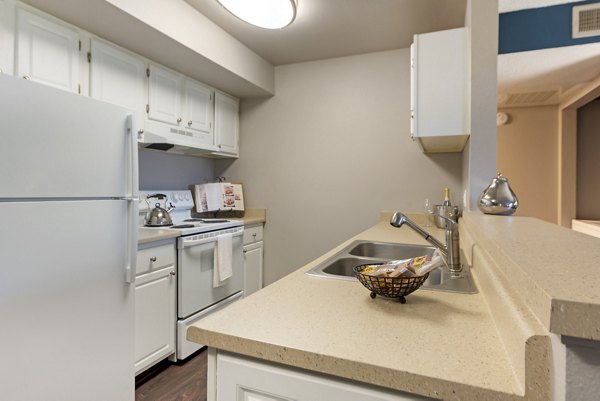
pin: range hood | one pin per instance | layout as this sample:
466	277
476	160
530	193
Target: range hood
171	139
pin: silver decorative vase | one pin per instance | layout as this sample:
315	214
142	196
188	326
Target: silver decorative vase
498	198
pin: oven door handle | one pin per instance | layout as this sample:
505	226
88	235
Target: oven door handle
187	242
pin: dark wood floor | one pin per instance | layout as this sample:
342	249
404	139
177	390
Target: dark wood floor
174	382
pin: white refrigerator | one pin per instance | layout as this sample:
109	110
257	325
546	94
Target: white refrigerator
68	241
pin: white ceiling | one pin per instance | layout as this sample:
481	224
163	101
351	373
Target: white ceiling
555	71
546	76
335	28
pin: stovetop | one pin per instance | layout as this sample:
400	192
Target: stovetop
181	215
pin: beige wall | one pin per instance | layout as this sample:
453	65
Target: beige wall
527	154
588	161
329	151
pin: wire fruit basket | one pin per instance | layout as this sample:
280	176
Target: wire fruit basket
391	287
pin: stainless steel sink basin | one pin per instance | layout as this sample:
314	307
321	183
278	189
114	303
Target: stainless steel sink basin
340	266
390	251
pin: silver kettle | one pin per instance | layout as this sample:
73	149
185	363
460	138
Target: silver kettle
158	217
498	198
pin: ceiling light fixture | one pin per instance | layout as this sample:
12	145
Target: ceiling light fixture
269	14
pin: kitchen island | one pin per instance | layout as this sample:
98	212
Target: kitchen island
493	345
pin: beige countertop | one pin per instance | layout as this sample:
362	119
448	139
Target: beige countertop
254	216
555	269
438	344
146	235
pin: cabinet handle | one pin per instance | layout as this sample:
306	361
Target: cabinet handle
26	77
172	272
190	123
179	120
153	259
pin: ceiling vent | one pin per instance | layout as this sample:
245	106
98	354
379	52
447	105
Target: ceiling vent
527	99
586	20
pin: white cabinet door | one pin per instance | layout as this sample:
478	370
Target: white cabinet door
439	90
117	76
226	123
164	96
198	107
47	52
155	318
242	379
253	268
7	37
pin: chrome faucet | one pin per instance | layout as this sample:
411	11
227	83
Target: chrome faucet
450	251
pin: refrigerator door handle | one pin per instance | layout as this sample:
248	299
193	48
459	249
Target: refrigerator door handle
133	158
132	204
132	235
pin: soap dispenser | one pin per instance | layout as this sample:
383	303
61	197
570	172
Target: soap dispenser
498	198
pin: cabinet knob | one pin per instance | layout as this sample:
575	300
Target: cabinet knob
190	123
26	77
254	235
172	272
179	120
153	259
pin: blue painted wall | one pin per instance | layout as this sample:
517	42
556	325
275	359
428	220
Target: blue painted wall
539	28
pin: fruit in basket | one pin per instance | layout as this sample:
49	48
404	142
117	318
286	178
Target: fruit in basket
368	269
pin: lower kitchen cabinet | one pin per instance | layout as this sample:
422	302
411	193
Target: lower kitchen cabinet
155	313
253	259
235	378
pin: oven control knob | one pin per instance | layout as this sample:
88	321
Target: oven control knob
187	197
174	197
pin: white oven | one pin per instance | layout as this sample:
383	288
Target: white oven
196	295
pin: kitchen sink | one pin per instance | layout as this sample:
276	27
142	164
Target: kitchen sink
341	265
389	251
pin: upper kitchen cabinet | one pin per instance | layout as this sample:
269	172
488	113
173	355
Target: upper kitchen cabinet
117	76
179	101
164	96
226	124
439	90
180	113
47	51
198	106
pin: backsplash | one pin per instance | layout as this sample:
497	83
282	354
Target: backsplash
160	170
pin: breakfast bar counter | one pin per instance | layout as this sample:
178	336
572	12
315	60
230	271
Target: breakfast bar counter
492	345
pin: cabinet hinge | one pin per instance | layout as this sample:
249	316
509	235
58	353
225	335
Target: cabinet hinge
147	108
148	72
89	57
80	45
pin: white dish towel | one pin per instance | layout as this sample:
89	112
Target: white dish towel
223	256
